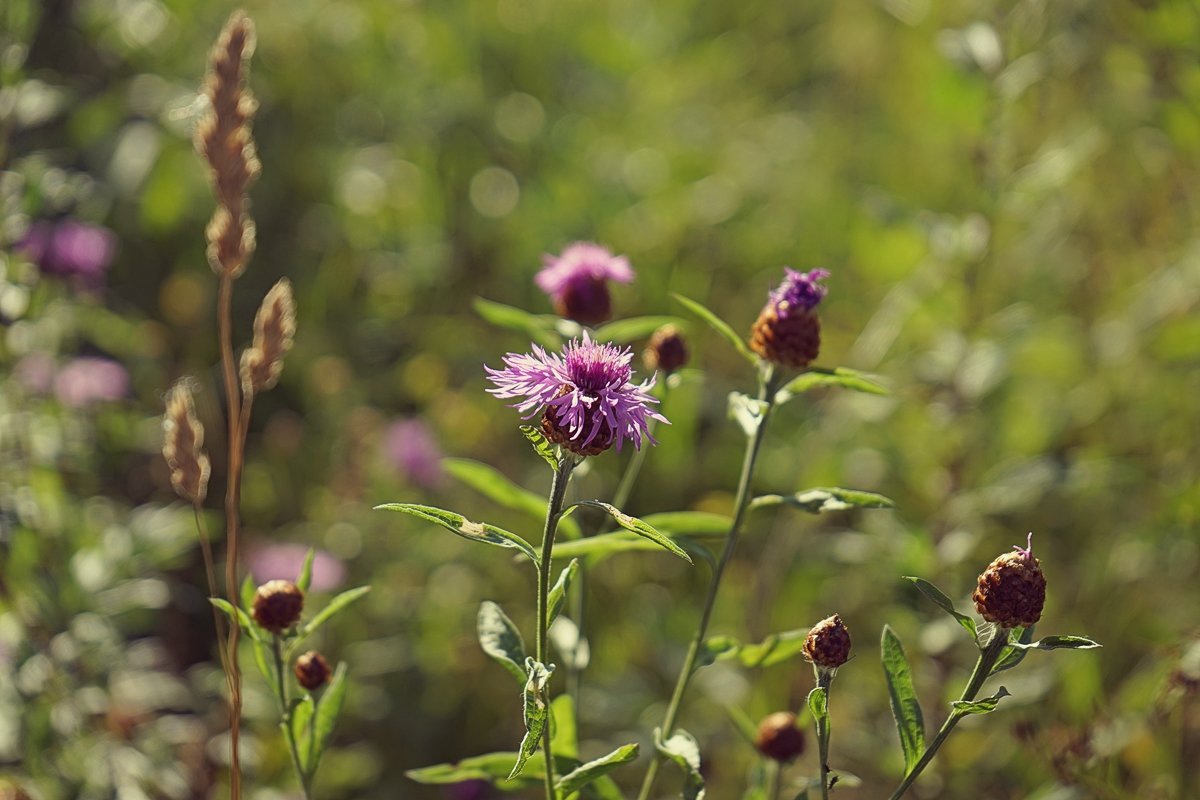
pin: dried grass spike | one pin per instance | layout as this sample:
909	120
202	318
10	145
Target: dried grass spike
183	440
274	330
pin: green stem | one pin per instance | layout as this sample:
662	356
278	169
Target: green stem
286	714
824	681
774	779
766	393
558	491
983	669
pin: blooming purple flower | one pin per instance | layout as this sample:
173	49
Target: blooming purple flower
585	394
800	291
70	248
409	446
576	281
284	560
88	380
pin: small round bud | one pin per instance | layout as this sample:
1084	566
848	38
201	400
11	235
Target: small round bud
779	738
828	643
667	350
312	670
1012	590
277	605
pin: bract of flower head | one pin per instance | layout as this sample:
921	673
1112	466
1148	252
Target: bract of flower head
787	332
585	394
577	281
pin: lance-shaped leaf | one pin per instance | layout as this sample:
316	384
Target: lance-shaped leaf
814	501
336	605
304	580
584	774
500	639
564	734
461	526
626	330
684	751
538	327
248	591
494	768
495	486
1013	653
841	377
558	592
747	412
326	714
689	523
536	710
943	602
300	715
984	706
238	617
636	526
541	445
774	649
607	544
717	324
1058	643
905	707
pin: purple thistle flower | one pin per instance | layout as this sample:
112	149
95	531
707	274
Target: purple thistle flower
576	281
800	291
70	248
787	332
585	395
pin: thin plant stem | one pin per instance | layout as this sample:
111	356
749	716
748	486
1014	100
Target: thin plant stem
210	573
983	669
558	491
766	394
774	779
286	714
824	681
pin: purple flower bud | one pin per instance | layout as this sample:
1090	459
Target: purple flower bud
577	281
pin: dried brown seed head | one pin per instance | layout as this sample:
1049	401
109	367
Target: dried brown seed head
183	440
274	330
667	350
779	738
312	670
1012	590
277	605
828	643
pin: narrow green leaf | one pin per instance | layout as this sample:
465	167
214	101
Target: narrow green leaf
746	411
943	602
719	325
305	579
841	377
742	722
906	708
461	526
689	523
1058	643
496	486
716	647
985	706
1014	652
538	327
814	501
265	663
637	526
774	649
624	331
565	734
683	750
535	710
239	617
818	704
300	714
327	711
491	767
248	591
541	445
586	773
337	604
500	639
558	592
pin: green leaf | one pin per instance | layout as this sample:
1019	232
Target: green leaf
818	704
689	523
491	767
541	445
586	773
742	722
1013	653
265	660
747	412
985	706
239	617
461	526
536	711
327	711
1058	643
248	591
817	377
336	605
500	639
814	501
624	331
300	715
906	708
684	751
943	602
774	649
305	579
719	325
565	735
538	327
495	486
637	526
558	592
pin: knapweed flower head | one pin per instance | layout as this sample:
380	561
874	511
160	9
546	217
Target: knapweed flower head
778	738
1012	590
585	395
828	643
312	670
277	605
577	281
787	331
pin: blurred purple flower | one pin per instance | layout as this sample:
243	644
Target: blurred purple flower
410	447
577	281
70	248
88	380
800	292
35	372
283	561
469	790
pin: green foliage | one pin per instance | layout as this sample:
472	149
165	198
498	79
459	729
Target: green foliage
536	711
815	501
943	602
719	325
501	640
637	526
906	708
595	769
774	649
819	378
984	706
461	526
682	749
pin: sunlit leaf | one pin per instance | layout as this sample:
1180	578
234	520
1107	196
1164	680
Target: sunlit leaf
819	378
329	706
985	706
683	750
338	604
719	325
461	526
747	411
637	526
689	523
586	773
558	592
541	445
818	704
497	487
906	708
1058	643
306	571
500	639
536	711
943	602
538	327
815	501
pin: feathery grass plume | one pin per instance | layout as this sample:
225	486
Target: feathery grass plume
274	329
183	442
224	140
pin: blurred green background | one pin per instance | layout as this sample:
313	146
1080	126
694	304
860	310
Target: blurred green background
1005	193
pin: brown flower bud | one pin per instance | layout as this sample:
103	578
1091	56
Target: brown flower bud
793	341
779	738
1012	590
667	350
586	300
183	440
828	643
277	605
312	670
